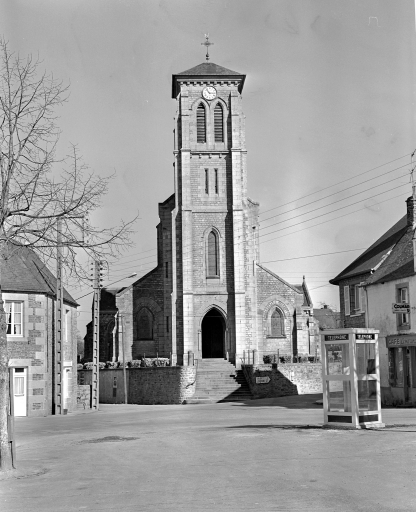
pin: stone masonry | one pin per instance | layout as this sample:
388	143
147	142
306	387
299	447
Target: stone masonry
189	305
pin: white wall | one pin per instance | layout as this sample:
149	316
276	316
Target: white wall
380	316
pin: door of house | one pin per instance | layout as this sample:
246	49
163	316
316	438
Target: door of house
19	376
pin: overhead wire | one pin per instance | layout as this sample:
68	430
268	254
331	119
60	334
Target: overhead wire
335	184
335	202
328	213
339	192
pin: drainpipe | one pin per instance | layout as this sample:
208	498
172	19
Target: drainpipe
366	306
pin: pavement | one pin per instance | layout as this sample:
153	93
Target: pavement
261	455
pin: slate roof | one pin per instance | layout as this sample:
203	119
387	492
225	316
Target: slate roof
24	272
398	264
207	70
372	257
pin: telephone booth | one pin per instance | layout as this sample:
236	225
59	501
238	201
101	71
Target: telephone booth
351	378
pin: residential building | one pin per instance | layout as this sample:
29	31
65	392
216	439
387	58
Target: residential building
28	291
386	277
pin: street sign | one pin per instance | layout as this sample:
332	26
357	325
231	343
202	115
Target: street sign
262	380
398	307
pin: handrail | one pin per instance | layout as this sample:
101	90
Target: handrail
245	372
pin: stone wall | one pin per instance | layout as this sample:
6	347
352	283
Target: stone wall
286	379
145	386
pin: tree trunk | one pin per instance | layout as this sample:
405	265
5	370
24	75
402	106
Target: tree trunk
6	462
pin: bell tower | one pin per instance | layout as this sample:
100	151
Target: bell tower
214	224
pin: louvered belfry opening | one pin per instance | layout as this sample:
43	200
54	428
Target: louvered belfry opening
218	124
212	254
201	124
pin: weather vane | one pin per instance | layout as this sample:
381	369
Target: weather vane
207	44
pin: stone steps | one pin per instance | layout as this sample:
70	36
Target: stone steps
218	381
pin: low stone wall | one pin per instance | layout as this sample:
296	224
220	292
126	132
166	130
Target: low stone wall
286	379
145	386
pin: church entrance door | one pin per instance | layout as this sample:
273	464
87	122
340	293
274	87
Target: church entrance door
213	334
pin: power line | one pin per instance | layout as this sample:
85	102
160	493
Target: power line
330	220
315	255
339	192
335	202
335	184
328	213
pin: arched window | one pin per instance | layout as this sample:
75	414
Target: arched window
212	259
144	325
200	124
277	324
218	124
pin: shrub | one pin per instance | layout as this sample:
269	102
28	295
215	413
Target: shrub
161	361
270	359
89	365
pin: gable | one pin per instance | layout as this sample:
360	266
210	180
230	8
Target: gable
25	272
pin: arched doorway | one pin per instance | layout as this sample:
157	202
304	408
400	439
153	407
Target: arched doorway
213	334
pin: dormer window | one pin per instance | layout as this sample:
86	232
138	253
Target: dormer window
201	130
218	124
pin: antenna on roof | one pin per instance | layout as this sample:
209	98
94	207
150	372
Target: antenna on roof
207	44
411	175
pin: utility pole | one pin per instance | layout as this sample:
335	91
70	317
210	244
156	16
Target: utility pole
97	267
58	399
57	367
121	342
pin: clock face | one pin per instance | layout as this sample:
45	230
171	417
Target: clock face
209	93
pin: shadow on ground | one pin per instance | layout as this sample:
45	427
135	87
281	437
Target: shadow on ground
286	402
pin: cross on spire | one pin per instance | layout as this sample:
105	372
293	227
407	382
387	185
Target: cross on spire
207	44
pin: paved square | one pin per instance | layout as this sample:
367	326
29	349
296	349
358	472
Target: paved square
261	455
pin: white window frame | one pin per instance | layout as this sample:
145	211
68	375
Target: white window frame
13	302
403	319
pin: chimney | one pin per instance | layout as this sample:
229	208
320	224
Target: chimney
411	213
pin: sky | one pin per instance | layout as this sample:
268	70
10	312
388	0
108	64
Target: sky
329	104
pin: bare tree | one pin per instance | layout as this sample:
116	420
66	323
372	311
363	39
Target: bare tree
33	202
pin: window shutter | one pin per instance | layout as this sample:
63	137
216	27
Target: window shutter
218	124
200	124
347	299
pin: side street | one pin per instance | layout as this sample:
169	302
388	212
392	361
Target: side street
269	455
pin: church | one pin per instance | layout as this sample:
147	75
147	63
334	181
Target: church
209	297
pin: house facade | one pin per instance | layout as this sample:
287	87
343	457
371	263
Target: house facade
28	292
209	295
387	291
